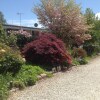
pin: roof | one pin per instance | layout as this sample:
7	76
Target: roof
16	27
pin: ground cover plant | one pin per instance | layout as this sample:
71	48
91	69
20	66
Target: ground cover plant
27	76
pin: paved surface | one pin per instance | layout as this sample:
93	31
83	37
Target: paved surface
81	83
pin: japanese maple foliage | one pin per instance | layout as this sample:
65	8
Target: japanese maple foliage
46	49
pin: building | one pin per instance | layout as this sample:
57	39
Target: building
8	28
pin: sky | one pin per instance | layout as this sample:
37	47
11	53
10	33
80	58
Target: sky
10	8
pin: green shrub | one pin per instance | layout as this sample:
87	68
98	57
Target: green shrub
7	39
3	91
11	40
21	40
10	61
17	84
82	61
91	49
30	81
4	84
92	46
75	62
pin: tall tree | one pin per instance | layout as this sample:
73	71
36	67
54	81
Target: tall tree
2	19
90	16
62	17
92	45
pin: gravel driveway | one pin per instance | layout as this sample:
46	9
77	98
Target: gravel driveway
81	83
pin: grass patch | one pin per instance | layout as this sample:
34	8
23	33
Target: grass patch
28	74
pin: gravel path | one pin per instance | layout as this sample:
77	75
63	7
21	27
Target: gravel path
81	83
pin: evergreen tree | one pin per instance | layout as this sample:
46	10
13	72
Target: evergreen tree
2	19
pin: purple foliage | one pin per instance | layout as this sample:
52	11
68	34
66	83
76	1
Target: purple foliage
46	49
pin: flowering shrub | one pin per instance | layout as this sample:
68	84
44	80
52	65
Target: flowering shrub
80	39
22	32
62	18
9	40
46	49
21	40
22	37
